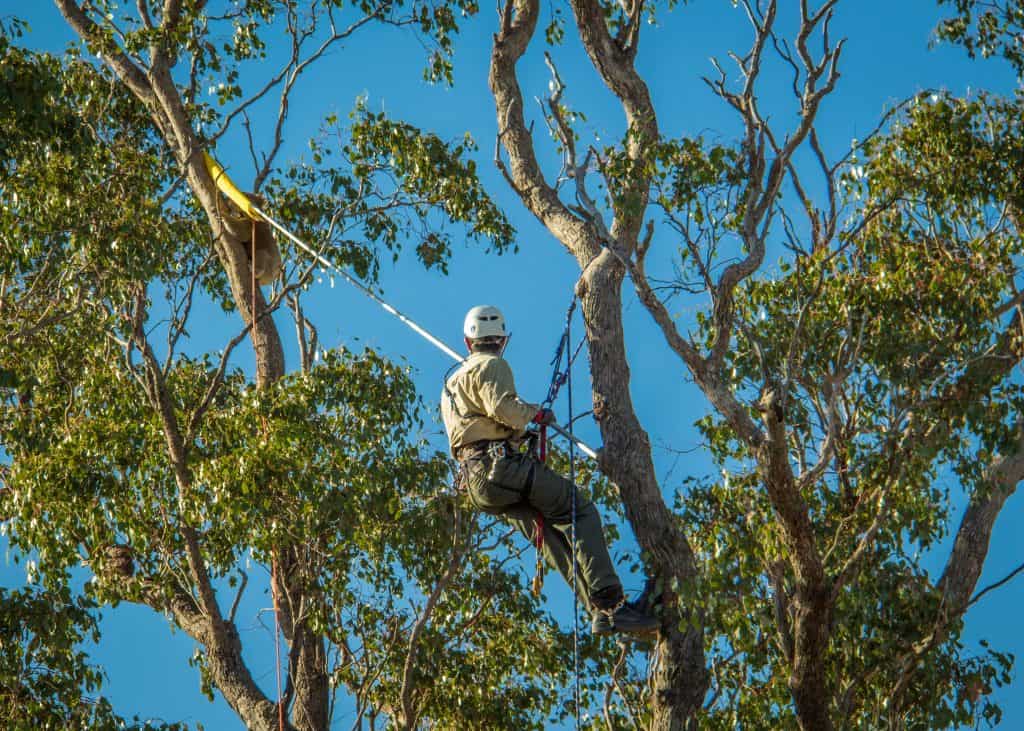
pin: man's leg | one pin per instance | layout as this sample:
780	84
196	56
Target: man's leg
504	487
500	487
556	550
551	495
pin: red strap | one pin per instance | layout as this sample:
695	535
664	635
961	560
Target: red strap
539	519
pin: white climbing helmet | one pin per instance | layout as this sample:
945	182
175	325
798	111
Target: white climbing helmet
484	321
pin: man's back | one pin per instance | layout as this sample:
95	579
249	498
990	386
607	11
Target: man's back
479	402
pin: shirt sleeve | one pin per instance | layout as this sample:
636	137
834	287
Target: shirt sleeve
498	396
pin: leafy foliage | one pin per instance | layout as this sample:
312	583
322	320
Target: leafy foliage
879	343
46	681
887	345
395	184
987	29
106	267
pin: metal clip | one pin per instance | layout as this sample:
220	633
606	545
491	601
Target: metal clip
460	480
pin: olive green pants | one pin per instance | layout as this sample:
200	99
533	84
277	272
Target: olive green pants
503	487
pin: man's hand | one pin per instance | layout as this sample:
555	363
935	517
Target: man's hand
544	417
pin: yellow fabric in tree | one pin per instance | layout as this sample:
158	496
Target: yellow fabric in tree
228	188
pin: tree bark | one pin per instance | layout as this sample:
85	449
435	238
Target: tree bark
966	561
812	601
681	681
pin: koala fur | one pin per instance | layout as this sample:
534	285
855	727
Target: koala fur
267	263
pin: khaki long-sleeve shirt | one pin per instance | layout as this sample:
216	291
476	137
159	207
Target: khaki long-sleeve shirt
479	401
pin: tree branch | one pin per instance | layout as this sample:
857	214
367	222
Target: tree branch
523	169
129	73
459	550
963	568
218	634
992	587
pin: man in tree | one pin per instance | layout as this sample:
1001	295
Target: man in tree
485	420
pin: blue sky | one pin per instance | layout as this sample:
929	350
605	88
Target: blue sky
887	58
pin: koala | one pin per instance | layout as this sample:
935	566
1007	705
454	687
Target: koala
267	265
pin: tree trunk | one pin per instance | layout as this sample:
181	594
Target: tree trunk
682	680
813	600
807	680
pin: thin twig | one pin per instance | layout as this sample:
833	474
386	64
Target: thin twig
992	587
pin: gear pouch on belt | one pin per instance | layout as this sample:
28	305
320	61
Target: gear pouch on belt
510	472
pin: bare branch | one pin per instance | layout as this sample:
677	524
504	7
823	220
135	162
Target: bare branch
459	551
238	596
762	193
992	587
615	685
561	128
181	311
523	170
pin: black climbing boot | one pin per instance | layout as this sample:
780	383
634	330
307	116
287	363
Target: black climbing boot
638	619
602	624
627	619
